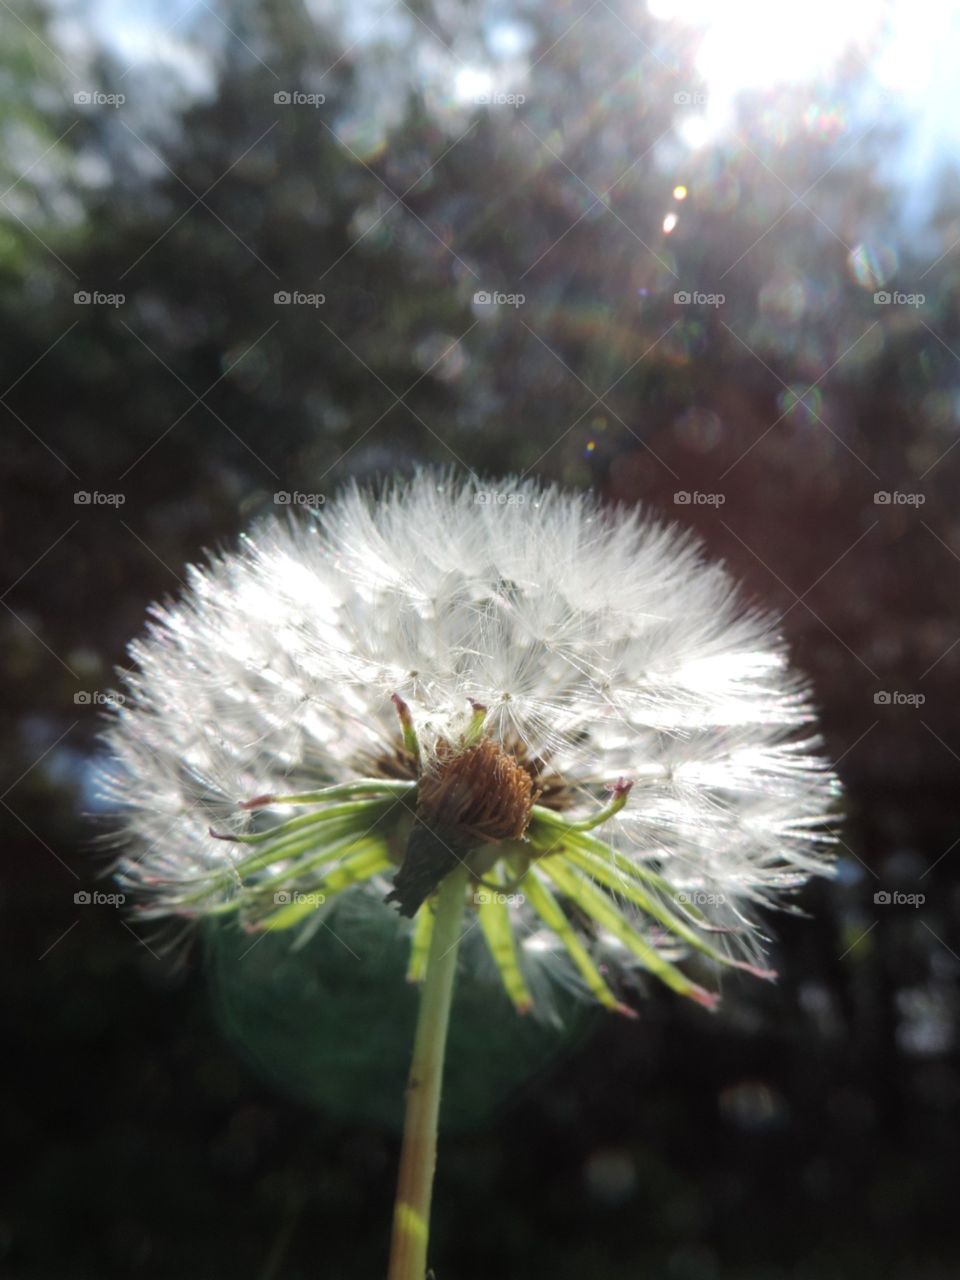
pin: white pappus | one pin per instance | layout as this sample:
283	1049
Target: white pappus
569	699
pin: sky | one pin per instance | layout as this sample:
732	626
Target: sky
910	48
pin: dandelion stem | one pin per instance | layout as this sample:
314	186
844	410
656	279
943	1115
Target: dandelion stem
418	1158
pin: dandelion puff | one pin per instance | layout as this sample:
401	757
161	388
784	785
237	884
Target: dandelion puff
567	702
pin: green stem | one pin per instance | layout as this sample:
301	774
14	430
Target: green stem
418	1158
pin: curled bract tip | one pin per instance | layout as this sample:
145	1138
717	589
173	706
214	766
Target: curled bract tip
709	1000
622	787
221	835
767	975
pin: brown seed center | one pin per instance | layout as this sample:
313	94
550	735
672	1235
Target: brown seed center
481	792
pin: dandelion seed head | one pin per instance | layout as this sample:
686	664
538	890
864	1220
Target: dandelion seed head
597	645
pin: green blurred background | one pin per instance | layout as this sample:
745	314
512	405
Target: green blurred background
727	267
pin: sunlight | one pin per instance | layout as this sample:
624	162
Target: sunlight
471	83
749	44
752	44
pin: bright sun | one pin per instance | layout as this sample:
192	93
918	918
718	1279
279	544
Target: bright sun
753	44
